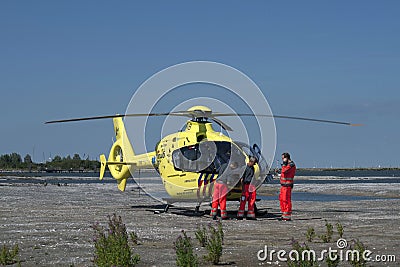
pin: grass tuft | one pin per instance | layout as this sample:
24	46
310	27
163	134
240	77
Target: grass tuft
111	244
184	251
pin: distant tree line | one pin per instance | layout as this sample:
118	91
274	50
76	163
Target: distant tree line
14	161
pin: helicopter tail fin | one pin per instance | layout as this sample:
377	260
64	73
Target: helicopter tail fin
120	151
121	181
122	160
122	184
103	164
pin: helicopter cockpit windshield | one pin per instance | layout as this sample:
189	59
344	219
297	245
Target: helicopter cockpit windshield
206	156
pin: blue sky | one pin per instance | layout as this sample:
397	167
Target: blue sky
335	60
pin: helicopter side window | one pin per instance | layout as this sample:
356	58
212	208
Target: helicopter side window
185	158
191	153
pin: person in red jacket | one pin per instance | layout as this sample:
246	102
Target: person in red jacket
287	178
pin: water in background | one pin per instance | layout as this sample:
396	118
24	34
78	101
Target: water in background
303	177
320	177
350	172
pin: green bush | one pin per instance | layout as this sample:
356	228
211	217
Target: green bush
134	238
360	247
301	262
340	229
201	235
111	244
327	238
184	251
333	263
310	235
8	255
214	243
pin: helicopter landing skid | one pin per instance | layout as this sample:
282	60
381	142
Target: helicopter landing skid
170	201
164	210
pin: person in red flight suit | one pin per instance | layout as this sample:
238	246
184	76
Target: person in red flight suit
248	192
221	190
287	178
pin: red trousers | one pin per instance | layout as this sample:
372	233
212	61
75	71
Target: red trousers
219	198
285	199
248	195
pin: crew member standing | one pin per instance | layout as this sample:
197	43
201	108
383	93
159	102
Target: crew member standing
287	178
248	192
221	190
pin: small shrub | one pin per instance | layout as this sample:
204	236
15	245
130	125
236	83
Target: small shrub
201	235
360	248
327	238
214	244
324	238
8	255
134	238
310	235
111	244
303	262
221	232
333	263
184	251
340	229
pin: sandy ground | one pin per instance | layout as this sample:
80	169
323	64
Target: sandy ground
51	224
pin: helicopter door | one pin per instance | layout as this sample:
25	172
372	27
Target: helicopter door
262	163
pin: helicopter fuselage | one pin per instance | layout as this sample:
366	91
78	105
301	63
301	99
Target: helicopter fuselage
187	161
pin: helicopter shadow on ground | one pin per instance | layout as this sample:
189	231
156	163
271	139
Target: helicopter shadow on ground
162	208
148	207
226	263
191	212
232	214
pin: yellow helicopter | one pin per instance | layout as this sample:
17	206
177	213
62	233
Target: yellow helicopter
187	161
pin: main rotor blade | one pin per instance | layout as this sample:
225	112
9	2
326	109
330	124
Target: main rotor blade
190	114
281	117
108	117
196	114
222	124
86	119
315	120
